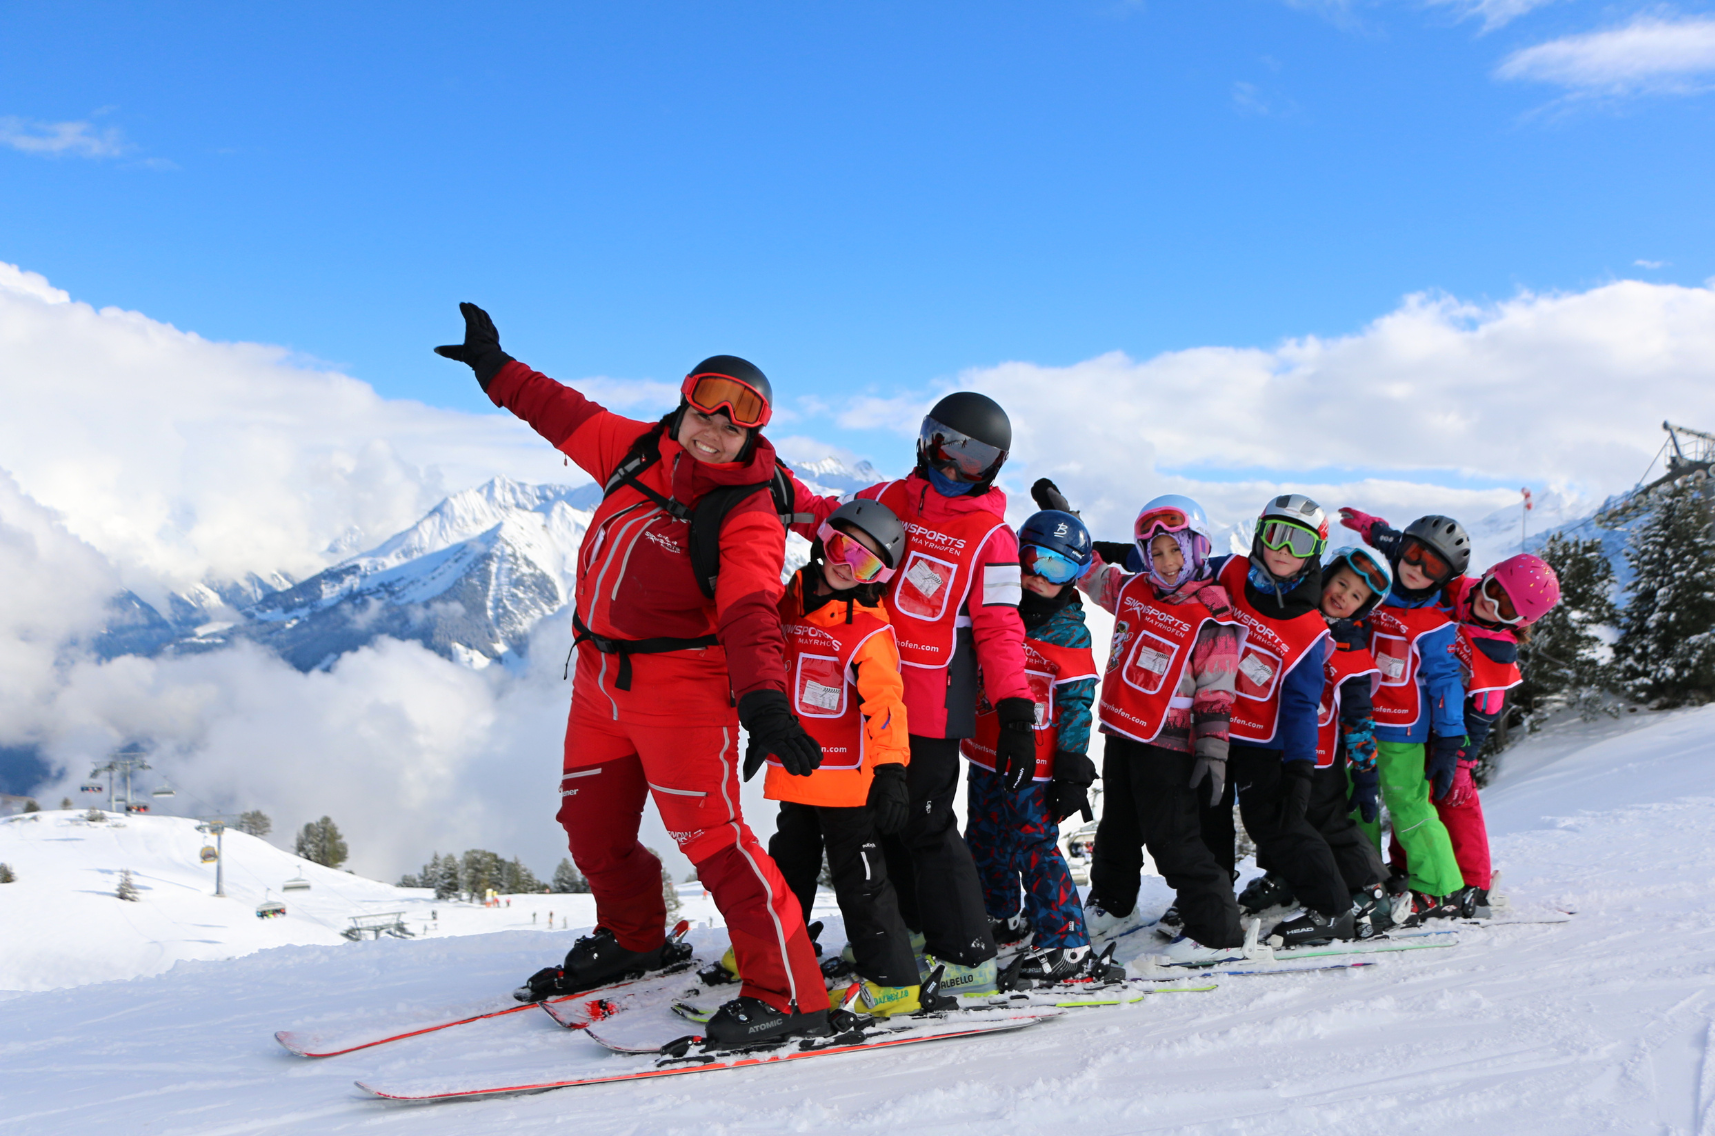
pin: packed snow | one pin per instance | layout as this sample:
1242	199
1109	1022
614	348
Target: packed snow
1599	1024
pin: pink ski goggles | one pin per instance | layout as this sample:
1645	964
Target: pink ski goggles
842	549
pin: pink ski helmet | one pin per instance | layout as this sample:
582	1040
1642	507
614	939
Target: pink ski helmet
1529	583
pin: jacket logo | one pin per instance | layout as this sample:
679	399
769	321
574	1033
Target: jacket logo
665	542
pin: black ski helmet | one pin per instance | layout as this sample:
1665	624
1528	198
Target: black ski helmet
1445	537
876	521
733	367
975	416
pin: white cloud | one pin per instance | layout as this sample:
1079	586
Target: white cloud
1650	263
178	458
1652	54
1549	390
1493	13
81	139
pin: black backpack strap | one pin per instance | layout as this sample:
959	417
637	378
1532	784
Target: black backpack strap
644	452
711	514
625	648
785	498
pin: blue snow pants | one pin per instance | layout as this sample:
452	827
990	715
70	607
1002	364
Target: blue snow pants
1011	837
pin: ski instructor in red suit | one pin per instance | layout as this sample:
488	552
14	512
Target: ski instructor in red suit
665	676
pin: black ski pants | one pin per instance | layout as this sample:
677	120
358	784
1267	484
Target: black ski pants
1359	860
936	879
1289	846
1147	801
880	942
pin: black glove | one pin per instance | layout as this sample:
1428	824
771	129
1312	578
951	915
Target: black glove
1047	495
1295	788
889	799
1113	552
481	347
1215	769
1015	749
774	729
1069	788
1365	783
1444	757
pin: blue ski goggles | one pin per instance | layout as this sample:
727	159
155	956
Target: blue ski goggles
1050	565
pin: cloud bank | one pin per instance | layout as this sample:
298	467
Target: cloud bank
1650	55
80	139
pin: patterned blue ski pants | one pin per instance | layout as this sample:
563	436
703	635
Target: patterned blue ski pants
1011	837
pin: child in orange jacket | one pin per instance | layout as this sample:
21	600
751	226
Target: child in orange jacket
844	674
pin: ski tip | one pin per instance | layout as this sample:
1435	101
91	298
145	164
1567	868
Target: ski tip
295	1044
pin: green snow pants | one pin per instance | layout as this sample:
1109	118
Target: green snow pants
1417	827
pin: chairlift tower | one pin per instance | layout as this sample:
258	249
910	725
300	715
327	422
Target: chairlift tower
216	827
1690	453
124	762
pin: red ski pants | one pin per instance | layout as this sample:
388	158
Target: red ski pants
692	772
1470	836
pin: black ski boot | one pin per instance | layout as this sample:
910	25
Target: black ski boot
597	959
1473	902
1372	912
1312	928
1171	925
746	1021
1009	931
1052	965
1266	891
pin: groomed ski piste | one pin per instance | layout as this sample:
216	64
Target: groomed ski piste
1599	1024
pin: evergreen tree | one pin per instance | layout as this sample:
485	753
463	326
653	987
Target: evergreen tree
568	880
1666	650
516	879
30	806
321	843
255	822
479	871
94	814
1564	658
6	876
65	803
127	889
443	872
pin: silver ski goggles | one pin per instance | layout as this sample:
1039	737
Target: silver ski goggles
957	455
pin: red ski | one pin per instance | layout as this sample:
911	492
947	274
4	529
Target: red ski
580	1009
637	1067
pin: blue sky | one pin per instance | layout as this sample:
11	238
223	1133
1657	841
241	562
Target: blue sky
859	197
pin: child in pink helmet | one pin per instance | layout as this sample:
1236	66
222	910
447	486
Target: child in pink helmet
1492	611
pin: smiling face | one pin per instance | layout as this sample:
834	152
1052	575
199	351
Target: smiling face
838	575
1165	557
710	437
1344	594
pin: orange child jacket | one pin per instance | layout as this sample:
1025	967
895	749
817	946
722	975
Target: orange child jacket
875	726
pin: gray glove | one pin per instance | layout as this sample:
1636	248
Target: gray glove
1215	769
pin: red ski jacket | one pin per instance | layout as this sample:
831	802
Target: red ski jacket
634	576
990	611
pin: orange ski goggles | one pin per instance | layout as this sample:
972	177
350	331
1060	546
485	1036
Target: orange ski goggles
710	393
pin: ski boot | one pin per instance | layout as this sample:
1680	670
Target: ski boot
1372	912
957	980
746	1021
1473	902
1050	966
1006	932
1266	891
1186	951
1420	907
720	973
1312	928
1171	924
886	1001
597	959
1104	924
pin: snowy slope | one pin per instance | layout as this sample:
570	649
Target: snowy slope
1603	1024
61	924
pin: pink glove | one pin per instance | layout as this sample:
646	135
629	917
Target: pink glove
1361	523
1463	791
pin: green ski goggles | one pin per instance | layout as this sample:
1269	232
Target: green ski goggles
1284	536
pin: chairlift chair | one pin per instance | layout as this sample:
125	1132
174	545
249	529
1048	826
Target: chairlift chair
164	789
92	787
208	855
296	883
269	908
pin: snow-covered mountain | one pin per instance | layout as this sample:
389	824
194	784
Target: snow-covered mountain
470	581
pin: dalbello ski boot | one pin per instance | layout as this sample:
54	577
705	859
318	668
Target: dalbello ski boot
597	959
1372	912
1050	966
